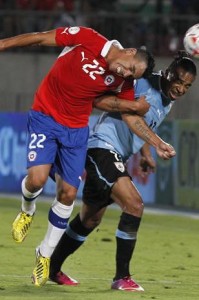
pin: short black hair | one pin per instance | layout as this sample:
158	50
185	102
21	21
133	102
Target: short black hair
184	60
145	55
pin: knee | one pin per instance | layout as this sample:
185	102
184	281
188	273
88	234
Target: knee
92	222
35	182
138	205
66	195
134	206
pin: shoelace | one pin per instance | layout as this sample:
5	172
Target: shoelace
130	281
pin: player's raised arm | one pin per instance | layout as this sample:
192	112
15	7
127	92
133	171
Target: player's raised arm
46	38
141	129
115	104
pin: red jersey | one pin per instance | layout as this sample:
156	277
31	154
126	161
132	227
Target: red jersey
78	76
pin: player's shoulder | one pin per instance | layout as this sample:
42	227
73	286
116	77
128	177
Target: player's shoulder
154	80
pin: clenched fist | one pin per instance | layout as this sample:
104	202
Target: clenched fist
165	150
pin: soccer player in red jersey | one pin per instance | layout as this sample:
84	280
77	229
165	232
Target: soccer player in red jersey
89	66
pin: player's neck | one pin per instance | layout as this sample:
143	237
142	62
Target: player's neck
112	53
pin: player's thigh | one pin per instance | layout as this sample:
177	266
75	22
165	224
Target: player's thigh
103	168
70	165
41	144
71	156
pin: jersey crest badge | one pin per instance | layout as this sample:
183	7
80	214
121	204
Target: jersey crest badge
109	79
119	166
32	155
73	30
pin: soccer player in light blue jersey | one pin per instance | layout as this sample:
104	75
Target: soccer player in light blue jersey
111	143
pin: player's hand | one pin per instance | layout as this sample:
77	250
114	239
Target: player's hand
165	151
142	106
147	166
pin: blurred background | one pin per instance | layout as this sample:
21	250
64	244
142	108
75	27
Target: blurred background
159	25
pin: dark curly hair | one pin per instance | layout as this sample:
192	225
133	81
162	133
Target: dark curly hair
183	59
145	55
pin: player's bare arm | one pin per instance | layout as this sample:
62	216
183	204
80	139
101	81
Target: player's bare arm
46	38
147	163
114	104
141	129
145	150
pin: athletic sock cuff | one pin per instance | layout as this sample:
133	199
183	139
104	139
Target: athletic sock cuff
77	227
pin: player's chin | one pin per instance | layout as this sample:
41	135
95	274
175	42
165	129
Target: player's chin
172	96
175	96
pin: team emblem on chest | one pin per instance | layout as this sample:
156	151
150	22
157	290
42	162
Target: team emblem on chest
109	79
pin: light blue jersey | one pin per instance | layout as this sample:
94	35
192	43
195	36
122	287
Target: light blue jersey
110	132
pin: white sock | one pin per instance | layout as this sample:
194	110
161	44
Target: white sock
58	218
28	204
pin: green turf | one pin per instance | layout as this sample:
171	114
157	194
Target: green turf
166	260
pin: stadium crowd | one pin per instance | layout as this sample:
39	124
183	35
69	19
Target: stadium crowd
160	25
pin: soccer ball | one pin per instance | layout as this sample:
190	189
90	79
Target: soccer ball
191	40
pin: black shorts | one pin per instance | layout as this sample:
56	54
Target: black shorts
103	168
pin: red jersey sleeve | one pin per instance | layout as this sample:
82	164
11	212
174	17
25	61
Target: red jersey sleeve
127	91
72	36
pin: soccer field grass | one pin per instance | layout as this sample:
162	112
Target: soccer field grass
166	260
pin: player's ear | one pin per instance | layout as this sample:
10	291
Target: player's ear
131	51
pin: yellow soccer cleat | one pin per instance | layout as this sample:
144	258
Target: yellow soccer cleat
21	226
41	271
